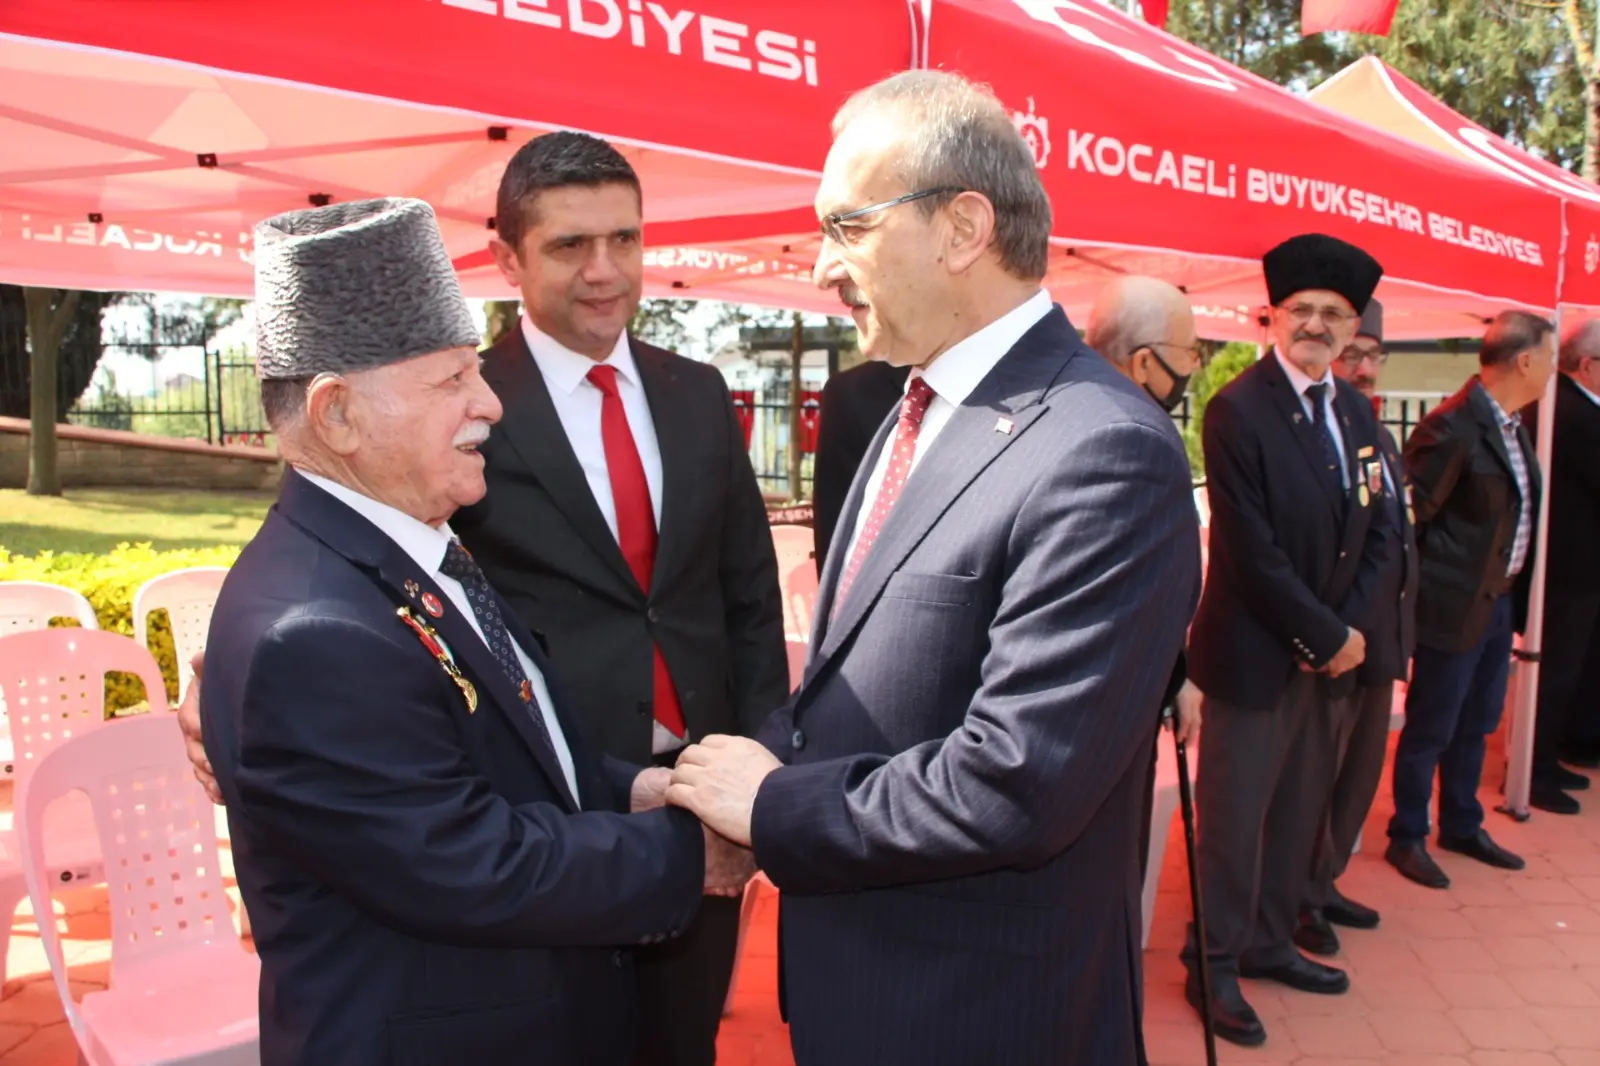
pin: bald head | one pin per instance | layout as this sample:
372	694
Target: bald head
1141	323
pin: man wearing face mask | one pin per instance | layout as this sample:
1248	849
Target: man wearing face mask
1145	328
1364	728
1299	542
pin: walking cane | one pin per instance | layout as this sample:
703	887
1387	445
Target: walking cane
1186	802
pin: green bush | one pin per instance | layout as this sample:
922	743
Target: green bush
1229	362
109	582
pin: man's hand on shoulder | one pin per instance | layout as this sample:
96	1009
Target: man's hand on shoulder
189	724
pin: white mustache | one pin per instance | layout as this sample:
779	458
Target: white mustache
471	436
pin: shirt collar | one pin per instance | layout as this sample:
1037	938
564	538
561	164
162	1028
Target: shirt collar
1506	421
964	364
1298	378
565	369
1592	397
423	543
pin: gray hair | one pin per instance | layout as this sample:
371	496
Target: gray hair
1580	344
283	400
962	138
1128	325
1510	334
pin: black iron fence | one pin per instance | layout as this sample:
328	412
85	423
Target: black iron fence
174	390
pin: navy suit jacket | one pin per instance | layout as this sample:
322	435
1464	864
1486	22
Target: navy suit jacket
955	834
421	886
1295	561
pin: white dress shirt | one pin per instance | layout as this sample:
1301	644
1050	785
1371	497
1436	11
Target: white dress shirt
578	401
426	547
1300	383
952	377
1592	397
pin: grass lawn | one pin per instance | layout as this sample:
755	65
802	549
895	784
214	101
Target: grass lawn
97	520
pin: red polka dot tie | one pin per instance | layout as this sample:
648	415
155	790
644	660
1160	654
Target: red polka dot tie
912	409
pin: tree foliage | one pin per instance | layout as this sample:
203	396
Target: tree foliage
80	351
1512	66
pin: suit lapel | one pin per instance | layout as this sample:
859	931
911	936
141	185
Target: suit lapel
355	538
1301	428
828	580
1493	437
967	444
675	431
533	429
476	661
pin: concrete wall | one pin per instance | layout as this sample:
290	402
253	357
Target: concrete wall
116	459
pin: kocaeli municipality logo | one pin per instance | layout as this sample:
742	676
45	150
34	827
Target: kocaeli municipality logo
1036	131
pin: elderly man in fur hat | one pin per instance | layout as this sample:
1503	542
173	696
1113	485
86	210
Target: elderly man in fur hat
1299	542
437	867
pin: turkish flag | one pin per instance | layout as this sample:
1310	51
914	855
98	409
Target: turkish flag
1155	12
1354	16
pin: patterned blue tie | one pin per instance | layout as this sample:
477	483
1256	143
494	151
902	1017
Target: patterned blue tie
1319	424
459	564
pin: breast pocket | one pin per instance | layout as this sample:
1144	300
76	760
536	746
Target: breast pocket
954	590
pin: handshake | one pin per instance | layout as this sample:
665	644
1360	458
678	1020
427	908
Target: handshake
716	780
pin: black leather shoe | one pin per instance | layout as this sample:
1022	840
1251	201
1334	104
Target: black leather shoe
1313	934
1232	1018
1551	799
1347	912
1415	864
1484	849
1303	975
1570	780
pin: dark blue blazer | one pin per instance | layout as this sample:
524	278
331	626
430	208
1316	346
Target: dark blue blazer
421	886
1295	561
956	832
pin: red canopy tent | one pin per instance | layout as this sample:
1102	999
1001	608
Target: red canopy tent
1160	158
1375	93
141	140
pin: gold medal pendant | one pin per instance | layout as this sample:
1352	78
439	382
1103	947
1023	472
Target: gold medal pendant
467	690
1363	495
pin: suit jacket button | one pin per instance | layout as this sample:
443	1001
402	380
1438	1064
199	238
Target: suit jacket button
616	959
652	615
1343	554
798	740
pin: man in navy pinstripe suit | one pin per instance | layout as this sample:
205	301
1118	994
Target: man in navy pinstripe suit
950	802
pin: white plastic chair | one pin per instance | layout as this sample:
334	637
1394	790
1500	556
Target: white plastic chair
29	605
182	988
188	596
57	681
797	576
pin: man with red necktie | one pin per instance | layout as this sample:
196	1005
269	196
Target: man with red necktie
624	525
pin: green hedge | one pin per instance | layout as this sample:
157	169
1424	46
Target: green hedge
109	582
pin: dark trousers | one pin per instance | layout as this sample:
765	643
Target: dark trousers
683	983
1453	705
1583	724
1569	629
1261	797
1363	743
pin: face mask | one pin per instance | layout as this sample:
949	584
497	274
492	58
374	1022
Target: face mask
1180	385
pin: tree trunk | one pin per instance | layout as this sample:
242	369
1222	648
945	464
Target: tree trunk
500	318
796	354
49	311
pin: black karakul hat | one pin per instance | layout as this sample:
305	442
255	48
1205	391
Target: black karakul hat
1317	261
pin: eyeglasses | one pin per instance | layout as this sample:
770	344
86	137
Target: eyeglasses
832	230
1355	356
1300	314
1151	346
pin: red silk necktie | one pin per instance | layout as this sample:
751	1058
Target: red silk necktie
636	521
912	409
